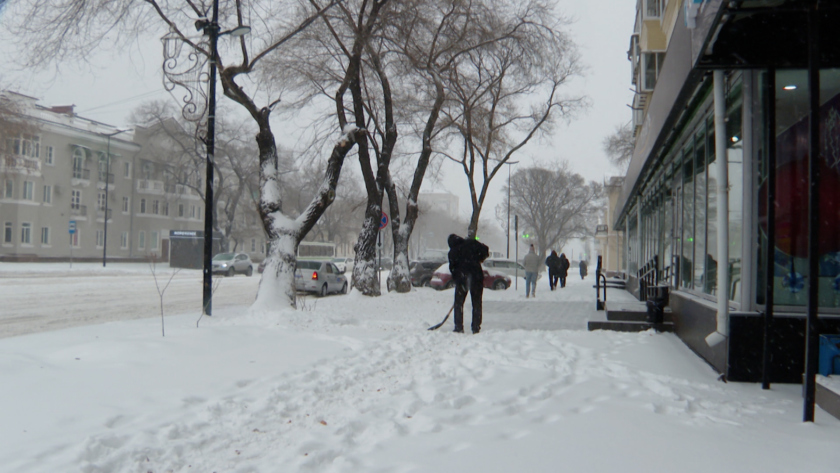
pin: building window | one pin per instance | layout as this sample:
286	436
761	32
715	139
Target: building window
100	200
7	232
156	207
126	204
75	199
180	210
47	194
142	206
78	163
50	158
141	241
26	233
45	236
192	211
253	245
100	238
127	170
153	243
124	240
653	8
165	210
9	189
651	65
26	145
28	190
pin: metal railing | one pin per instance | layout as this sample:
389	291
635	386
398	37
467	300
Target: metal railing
100	213
78	210
81	173
648	277
106	177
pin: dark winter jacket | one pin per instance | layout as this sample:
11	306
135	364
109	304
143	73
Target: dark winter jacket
583	268
554	262
465	257
564	266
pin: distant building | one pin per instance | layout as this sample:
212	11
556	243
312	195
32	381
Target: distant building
441	201
608	241
66	171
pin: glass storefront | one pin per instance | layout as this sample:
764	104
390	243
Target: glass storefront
790	281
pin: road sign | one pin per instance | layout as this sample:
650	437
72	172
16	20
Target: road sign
72	227
384	222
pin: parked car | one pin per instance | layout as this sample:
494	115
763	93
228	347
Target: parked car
386	263
506	267
319	277
442	279
232	263
343	264
421	272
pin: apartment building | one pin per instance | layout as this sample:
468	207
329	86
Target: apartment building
76	187
736	121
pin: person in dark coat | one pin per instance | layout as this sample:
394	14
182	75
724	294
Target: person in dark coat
564	269
554	263
583	269
465	258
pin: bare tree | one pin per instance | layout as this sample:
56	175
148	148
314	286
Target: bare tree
47	34
620	145
173	144
504	95
555	204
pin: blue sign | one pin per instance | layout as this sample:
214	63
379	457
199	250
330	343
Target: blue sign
72	227
384	222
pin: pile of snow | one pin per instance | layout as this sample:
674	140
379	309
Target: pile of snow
355	384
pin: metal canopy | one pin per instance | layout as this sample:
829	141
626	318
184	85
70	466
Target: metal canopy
771	34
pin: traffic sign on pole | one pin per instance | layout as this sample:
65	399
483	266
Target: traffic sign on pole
384	222
72	227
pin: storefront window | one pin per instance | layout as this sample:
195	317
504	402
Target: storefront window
700	255
790	270
687	259
735	158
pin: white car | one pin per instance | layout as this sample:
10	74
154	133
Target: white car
232	263
506	267
319	277
343	264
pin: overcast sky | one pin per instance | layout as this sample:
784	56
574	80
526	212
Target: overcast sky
114	83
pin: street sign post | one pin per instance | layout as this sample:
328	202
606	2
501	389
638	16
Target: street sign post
384	222
72	229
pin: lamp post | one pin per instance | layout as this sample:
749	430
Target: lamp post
107	176
211	29
507	247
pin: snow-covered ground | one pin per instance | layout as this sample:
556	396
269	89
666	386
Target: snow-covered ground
355	384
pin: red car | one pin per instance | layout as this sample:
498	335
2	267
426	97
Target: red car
442	279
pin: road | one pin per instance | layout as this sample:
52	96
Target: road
38	298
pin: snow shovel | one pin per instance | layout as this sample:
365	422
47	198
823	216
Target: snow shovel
435	327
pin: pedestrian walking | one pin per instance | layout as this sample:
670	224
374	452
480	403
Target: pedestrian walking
583	269
465	258
564	269
532	269
554	263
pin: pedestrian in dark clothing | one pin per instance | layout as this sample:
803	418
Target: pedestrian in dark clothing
465	258
554	263
564	269
583	269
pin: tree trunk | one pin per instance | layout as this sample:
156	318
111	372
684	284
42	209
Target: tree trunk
277	286
365	266
399	279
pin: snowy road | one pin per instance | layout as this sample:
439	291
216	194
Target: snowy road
44	297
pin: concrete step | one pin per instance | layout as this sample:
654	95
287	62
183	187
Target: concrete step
628	326
635	315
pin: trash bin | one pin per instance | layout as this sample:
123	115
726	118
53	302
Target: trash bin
657	300
829	354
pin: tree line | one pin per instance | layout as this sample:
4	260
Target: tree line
389	85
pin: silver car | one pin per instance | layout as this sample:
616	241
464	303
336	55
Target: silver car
319	277
232	263
506	267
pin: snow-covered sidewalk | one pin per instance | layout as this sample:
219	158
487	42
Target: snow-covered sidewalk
355	384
